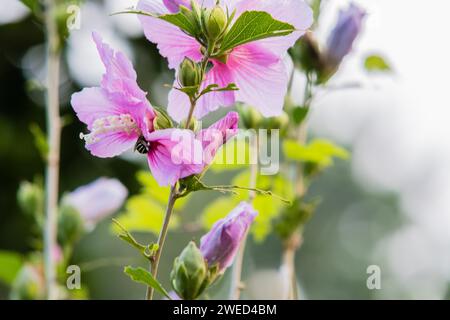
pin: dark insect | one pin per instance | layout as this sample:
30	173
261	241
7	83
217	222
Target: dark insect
141	145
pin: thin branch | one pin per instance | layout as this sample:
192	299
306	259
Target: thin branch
154	264
54	140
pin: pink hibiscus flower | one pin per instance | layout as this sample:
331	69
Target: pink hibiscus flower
257	68
119	117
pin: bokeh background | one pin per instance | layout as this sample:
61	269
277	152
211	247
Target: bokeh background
388	206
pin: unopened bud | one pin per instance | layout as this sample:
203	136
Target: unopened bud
30	197
70	225
194	125
161	121
251	118
190	74
277	123
215	22
189	276
28	284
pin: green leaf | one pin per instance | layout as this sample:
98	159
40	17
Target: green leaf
319	151
143	276
299	114
148	251
294	217
316	6
10	265
216	88
34	6
253	26
40	140
184	20
375	63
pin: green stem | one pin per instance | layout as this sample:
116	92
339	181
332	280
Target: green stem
53	156
162	239
154	264
292	245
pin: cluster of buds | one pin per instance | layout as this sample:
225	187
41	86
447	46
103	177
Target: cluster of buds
210	26
325	62
253	119
197	268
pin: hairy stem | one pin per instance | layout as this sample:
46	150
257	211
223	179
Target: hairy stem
236	283
53	140
162	239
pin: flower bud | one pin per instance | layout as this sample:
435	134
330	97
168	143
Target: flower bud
215	21
97	200
306	53
70	225
341	39
251	118
29	283
190	74
189	275
277	123
30	197
162	120
221	244
194	125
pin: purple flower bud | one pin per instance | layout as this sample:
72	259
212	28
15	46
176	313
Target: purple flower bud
341	39
174	5
220	245
97	200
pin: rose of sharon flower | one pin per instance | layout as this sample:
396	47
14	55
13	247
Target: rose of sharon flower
97	200
343	35
119	115
221	244
257	68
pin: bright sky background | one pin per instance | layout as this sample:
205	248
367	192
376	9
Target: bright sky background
398	124
399	128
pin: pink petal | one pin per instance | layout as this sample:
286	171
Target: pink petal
295	12
217	135
174	154
261	77
112	144
120	85
174	5
228	124
91	104
172	43
120	77
179	105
